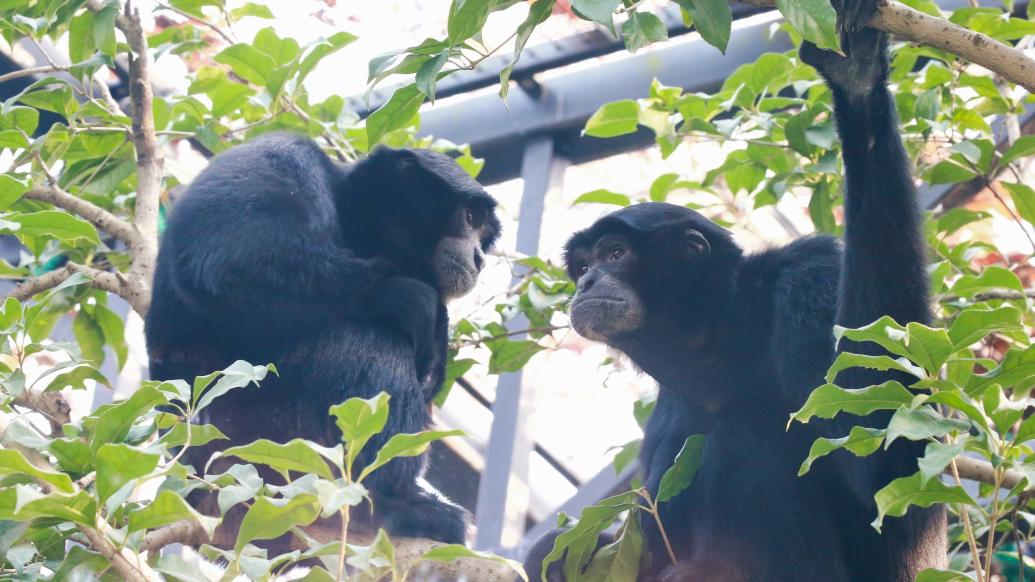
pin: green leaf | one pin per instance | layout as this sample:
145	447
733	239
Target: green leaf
917	424
406	445
603	196
80	37
118	464
975	323
89	336
321	49
294	455
847	360
814	19
929	347
334	495
933	575
57	224
614	119
104	29
902	493
268	518
236	375
956	218
949	172
167	508
829	400
12	462
600	11
23	503
936	457
1023	199
861	441
251	9
510	356
681	474
579	542
712	18
247	62
76	378
537	14
114	423
114	330
427	75
466	18
641	29
885	332
1022	148
620	560
451	552
73	455
992	278
395	114
200	435
11	190
358	419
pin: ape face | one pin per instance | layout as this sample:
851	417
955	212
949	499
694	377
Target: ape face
606	304
641	261
458	257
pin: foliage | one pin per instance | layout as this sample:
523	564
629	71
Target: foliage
90	479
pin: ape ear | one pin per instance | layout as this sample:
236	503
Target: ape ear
679	241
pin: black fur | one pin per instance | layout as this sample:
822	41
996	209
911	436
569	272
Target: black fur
738	342
277	254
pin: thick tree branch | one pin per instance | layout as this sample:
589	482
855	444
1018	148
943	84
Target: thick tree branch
52	405
982	471
129	565
150	162
939	33
89	211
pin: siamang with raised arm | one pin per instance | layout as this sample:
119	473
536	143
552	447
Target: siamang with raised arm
738	341
336	273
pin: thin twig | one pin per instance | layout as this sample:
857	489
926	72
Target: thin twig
204	23
89	211
31	71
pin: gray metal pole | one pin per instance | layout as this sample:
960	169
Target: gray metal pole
509	445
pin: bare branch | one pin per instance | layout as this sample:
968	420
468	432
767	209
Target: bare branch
30	72
915	26
187	533
131	566
983	472
94	214
149	157
52	405
994	294
35	285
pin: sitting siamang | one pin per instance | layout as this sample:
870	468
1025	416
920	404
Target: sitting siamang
737	342
338	274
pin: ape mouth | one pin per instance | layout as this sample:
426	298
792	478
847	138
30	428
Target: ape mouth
598	299
459	262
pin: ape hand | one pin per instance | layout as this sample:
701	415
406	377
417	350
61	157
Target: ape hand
865	63
411	306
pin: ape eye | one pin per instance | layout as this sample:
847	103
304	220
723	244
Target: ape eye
581	270
617	254
469	215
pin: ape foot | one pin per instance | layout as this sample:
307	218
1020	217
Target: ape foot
426	516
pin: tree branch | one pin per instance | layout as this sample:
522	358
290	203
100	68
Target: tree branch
909	24
149	158
52	405
983	472
89	211
30	72
128	564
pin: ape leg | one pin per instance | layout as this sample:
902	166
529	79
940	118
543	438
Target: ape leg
362	360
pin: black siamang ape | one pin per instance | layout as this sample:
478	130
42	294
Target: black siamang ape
338	274
738	341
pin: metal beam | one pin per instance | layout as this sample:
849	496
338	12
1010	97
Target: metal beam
539	58
497	130
509	446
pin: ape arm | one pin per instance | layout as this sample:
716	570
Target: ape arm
884	264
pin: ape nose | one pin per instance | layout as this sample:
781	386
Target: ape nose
586	282
478	260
